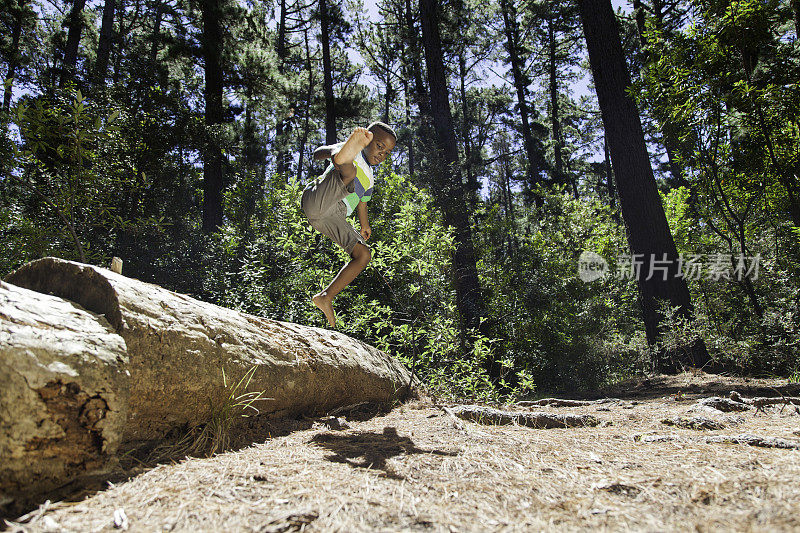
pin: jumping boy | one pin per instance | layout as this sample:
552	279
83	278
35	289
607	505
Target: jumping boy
344	187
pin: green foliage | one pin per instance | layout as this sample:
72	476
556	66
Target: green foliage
57	175
725	88
116	169
403	303
726	314
558	331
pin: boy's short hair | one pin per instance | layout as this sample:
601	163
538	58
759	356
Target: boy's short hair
385	127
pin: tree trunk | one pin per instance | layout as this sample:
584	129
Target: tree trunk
281	44
406	97
387	95
416	62
646	223
612	192
256	188
214	114
307	117
472	181
120	33
511	218
281	144
671	143
473	187
330	109
450	189
16	35
75	24
534	158
104	44
796	11
156	31
558	158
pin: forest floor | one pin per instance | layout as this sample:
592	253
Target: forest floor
416	468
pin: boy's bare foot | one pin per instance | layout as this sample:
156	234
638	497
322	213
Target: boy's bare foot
357	141
325	305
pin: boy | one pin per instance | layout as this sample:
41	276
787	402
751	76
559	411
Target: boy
344	187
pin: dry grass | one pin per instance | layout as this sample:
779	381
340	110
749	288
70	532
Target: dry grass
217	434
413	470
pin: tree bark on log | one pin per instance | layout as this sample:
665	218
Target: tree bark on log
64	395
177	348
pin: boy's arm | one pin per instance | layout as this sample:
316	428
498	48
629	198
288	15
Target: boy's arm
366	231
324	152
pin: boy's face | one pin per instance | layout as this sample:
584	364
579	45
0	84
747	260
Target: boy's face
378	149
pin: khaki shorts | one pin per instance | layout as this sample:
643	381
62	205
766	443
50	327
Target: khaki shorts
322	204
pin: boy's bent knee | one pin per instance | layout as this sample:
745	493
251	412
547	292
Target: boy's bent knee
361	254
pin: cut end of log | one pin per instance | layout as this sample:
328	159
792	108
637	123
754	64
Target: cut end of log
72	281
77	452
116	265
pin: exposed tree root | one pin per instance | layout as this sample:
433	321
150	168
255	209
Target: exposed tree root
761	402
723	404
755	440
538	420
695	422
559	402
743	438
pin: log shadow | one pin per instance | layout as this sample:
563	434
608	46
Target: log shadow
370	449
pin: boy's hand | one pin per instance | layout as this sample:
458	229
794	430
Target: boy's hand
366	232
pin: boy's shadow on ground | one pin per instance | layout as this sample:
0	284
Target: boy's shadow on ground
370	449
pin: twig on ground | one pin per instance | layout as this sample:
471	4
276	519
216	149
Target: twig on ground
696	422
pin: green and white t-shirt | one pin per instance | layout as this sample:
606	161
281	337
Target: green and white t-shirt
364	183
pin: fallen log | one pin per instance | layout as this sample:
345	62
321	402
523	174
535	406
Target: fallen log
64	395
538	420
177	347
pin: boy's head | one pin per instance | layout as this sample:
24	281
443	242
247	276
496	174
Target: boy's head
383	140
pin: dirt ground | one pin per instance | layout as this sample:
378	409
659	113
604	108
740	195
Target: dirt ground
416	468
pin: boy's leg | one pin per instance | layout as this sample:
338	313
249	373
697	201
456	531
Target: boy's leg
343	159
324	300
322	196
